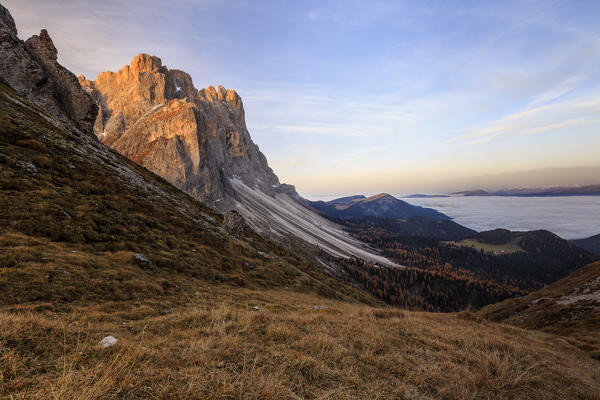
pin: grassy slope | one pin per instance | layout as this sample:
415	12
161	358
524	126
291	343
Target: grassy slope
186	327
578	322
85	210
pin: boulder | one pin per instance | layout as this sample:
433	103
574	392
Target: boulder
108	341
142	261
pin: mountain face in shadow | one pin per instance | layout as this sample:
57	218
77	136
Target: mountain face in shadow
591	244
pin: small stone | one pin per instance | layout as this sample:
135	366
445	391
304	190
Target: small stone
29	167
108	341
142	261
255	308
62	271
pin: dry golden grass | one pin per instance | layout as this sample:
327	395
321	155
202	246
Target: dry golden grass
218	347
578	322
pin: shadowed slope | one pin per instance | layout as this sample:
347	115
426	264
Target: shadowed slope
569	307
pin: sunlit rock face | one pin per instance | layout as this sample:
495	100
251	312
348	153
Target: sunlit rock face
32	69
196	139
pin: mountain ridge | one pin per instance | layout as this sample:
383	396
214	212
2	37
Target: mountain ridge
380	205
588	190
591	244
198	141
31	68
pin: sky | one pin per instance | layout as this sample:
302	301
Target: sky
347	97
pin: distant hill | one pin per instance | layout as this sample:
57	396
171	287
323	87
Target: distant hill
347	200
538	257
591	190
382	205
443	229
569	307
591	244
513	261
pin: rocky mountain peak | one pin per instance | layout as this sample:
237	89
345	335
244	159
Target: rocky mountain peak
145	63
380	197
8	28
43	46
196	139
31	68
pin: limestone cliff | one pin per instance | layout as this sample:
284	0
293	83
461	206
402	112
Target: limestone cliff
196	139
32	69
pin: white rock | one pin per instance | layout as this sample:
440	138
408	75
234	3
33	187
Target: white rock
108	341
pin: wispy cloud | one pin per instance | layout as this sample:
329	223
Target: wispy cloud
312	15
585	111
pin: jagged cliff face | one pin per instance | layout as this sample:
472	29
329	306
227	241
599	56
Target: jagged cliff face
32	69
196	139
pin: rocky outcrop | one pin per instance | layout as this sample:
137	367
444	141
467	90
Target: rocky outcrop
233	223
196	139
32	69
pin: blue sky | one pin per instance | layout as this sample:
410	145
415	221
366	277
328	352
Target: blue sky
349	97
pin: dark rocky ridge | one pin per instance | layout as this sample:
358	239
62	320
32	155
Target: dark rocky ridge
32	69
